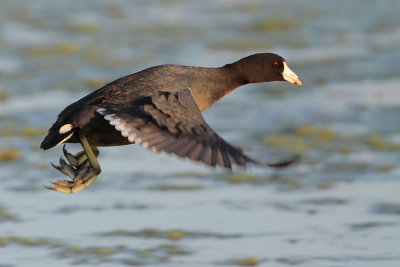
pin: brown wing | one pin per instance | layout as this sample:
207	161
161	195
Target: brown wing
172	122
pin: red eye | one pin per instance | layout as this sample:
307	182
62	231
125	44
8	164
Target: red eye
276	63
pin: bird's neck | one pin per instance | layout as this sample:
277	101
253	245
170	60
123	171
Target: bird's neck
211	84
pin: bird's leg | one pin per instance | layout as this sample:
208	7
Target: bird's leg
83	168
79	159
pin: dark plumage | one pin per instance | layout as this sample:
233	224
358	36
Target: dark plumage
160	107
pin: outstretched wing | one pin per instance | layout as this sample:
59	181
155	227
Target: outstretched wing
172	122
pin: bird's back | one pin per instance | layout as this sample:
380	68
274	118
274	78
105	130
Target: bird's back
123	91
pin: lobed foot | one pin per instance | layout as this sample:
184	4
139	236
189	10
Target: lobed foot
83	179
79	170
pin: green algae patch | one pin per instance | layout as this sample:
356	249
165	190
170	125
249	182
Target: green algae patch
66	48
5	215
133	263
86	27
159	254
320	136
381	144
242	6
4	95
348	167
4	241
26	131
98	253
377	142
74	249
284	183
239	45
173	187
58	245
240	178
173	235
92	254
369	225
251	261
10	154
293	144
290	184
345	148
326	135
326	201
116	11
166	30
273	24
32	242
8	130
190	174
32	131
25	241
131	206
288	261
387	208
103	251
324	186
385	168
171	250
96	83
42	166
307	138
144	253
305	130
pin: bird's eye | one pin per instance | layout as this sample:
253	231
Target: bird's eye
276	63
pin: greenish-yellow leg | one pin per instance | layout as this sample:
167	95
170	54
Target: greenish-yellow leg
83	168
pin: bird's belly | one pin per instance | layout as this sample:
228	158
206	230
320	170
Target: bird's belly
100	133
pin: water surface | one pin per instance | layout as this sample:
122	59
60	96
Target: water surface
339	207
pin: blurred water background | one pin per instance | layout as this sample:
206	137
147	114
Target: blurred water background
339	207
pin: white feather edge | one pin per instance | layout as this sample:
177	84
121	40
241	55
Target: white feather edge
118	124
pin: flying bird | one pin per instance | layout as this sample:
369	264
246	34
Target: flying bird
159	108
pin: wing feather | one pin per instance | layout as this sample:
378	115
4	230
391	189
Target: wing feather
172	122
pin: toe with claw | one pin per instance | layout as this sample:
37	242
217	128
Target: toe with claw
84	177
82	168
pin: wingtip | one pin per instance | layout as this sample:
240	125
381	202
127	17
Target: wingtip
283	161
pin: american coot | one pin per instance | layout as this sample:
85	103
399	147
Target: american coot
160	108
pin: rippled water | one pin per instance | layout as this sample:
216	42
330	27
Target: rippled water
339	206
